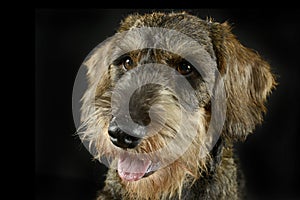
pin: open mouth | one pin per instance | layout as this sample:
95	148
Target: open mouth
134	168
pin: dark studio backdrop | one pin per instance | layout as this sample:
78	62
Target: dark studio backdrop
64	169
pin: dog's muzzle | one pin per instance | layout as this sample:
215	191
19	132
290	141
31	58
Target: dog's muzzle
127	128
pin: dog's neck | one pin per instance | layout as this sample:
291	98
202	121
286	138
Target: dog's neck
201	186
221	170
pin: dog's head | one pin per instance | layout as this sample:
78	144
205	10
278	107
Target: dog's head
153	89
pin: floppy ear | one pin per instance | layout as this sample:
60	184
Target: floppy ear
248	81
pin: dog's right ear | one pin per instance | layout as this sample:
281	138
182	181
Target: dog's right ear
247	79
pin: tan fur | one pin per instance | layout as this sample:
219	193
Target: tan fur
197	173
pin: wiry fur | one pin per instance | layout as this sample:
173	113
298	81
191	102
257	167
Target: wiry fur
247	82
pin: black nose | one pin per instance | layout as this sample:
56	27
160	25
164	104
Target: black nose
121	139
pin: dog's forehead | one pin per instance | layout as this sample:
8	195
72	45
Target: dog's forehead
187	24
175	32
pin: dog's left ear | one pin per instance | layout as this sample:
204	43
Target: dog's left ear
247	78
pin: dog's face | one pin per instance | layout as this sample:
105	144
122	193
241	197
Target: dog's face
153	89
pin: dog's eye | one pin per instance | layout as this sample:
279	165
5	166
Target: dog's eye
127	63
184	68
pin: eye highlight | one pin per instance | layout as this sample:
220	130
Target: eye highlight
127	63
185	68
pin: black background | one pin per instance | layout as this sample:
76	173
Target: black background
63	38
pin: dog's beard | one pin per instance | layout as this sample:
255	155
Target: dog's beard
147	158
175	126
180	171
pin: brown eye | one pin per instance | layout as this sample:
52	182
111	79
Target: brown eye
184	68
127	63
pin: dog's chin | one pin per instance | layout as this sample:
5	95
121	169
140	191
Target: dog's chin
134	169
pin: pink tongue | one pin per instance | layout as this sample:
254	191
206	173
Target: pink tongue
132	168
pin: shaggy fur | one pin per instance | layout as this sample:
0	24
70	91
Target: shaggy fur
188	175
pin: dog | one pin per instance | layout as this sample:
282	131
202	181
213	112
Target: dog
168	95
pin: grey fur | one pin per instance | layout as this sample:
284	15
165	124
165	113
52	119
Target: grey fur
193	159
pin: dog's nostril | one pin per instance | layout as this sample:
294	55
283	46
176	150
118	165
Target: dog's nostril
120	138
